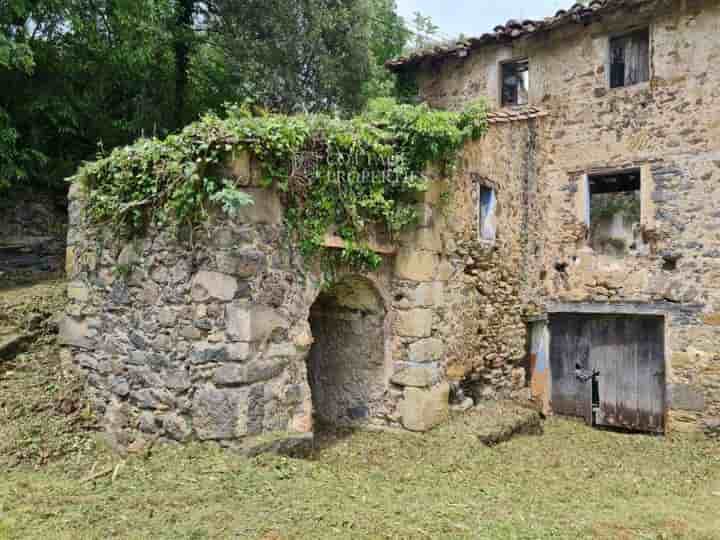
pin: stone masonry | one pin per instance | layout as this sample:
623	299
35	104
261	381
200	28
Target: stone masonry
575	125
233	335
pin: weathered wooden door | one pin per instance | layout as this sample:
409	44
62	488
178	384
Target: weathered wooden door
629	354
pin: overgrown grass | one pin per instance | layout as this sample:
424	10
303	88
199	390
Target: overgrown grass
572	482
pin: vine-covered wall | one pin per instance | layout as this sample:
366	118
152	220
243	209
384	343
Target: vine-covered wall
210	340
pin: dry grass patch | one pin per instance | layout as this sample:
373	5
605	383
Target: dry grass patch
570	483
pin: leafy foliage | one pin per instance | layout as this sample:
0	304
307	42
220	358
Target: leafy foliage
339	175
100	73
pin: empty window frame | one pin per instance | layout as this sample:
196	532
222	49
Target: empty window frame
487	214
515	82
630	58
615	212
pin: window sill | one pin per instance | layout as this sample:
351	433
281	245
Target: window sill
631	89
514	107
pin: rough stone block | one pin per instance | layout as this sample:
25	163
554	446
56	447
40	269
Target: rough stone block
422	409
680	360
262	369
78	291
167	317
205	352
177	379
252	323
220	414
414	323
76	333
266	207
213	286
421	376
686	397
238	352
426	238
281	349
416	265
176	427
426	350
245	264
428	294
70	262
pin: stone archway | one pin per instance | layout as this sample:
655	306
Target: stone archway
346	364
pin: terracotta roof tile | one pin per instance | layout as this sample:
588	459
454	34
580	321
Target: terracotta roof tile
516	114
514	29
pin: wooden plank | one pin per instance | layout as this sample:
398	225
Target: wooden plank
646	370
585	396
656	337
602	359
569	344
627	385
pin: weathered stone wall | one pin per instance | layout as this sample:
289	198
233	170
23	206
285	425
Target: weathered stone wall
210	337
33	227
668	128
486	302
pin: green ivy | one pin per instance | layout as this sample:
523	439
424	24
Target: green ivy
344	175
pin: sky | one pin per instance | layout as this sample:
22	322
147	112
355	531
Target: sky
475	17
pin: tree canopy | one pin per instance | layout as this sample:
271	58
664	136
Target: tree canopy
84	76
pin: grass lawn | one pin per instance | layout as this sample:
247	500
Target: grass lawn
572	482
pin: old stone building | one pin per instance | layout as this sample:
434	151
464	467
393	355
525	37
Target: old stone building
619	182
575	253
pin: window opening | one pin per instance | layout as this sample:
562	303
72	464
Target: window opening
515	83
615	211
630	59
487	220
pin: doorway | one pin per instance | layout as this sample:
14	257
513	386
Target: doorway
346	364
609	369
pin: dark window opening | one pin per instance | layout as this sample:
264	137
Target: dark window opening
515	83
615	209
670	262
487	219
630	59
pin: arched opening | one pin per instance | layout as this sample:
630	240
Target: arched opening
346	362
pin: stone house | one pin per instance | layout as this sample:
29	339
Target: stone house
573	258
610	114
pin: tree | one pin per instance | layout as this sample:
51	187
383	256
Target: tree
90	75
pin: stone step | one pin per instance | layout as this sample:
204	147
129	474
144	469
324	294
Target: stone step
14	342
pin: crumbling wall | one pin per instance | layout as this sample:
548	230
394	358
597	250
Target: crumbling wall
208	336
33	226
668	129
486	302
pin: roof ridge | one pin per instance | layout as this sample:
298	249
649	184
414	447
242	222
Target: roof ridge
512	29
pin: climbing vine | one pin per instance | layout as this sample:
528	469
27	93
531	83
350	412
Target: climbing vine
333	174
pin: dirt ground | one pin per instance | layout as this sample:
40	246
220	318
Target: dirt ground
58	480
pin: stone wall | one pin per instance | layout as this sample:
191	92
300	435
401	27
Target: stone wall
33	227
223	336
668	128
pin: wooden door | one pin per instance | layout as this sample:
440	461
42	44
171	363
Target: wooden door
570	345
628	353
